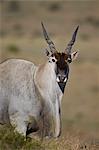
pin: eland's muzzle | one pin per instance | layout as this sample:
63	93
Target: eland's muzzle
61	79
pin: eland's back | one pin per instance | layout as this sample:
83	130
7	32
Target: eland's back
16	86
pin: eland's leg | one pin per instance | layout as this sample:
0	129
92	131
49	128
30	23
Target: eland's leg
57	120
35	127
19	123
52	121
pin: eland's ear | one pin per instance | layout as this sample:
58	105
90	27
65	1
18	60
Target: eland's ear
74	55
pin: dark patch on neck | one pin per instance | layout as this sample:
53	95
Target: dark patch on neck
62	86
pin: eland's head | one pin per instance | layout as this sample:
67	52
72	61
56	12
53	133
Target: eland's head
61	60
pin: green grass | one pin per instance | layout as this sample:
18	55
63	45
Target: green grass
13	48
13	141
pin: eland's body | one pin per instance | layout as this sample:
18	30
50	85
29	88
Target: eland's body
30	96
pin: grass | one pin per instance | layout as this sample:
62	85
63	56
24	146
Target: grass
11	140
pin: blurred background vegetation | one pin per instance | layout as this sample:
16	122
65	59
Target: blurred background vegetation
21	37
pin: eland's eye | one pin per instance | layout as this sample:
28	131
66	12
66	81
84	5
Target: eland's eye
69	60
53	60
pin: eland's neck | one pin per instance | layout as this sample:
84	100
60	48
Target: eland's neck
45	80
45	75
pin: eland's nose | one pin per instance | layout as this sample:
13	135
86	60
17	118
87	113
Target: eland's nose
61	79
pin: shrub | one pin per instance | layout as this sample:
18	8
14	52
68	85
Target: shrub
54	6
13	48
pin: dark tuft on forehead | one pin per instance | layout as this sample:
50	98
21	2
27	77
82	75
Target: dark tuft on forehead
61	56
61	60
